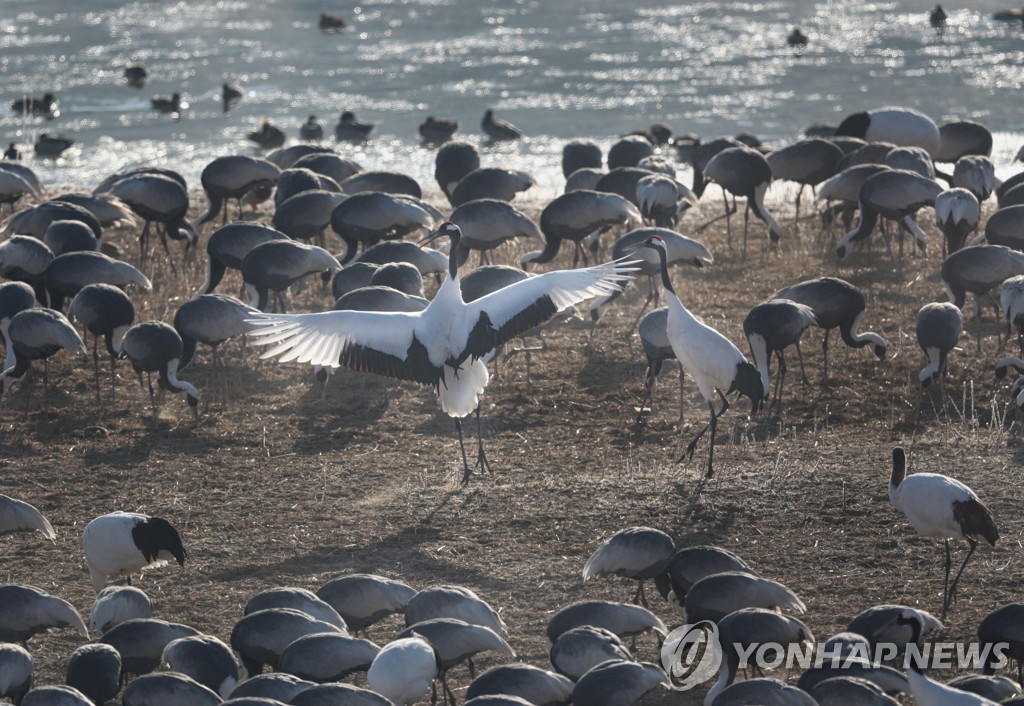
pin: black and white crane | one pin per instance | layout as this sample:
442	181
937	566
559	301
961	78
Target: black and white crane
836	304
1011	300
639	553
19	516
37	334
443	344
155	347
941	507
897	125
122	543
714	362
938	331
957	214
772	327
894	194
104	310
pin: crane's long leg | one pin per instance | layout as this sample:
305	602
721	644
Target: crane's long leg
728	220
167	249
956	580
713	426
945	585
113	376
96	365
466	473
803	370
481	457
824	353
46	384
782	380
152	397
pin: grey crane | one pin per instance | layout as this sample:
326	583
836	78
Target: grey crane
623	181
583	178
14	297
434	131
312	130
205	659
1013	196
771	327
305	215
629	151
331	694
66	275
498	130
276	265
894	194
155	347
490	183
37	334
260	637
275	686
691	564
104	310
580	154
364	599
20	516
158	199
487	223
456	641
1003	625
745	172
978	269
26	611
452	162
349	129
235	177
639	553
844	188
836	304
938	331
653	332
763	692
960	138
622	619
116	604
228	246
297	599
977	174
843	691
70	236
267	135
715	596
889	680
618	683
580	649
25	259
662	200
328	164
355	276
427	260
104	186
168	687
400	276
370	217
807	162
327	657
910	159
456	602
1004	227
748	628
575	216
296	180
899	625
867	153
697	154
388	182
286	157
1011	300
536	685
55	695
35	220
995	689
957	214
211	319
109	210
95	670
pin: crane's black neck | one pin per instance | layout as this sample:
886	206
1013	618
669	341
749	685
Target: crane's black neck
551	246
899	467
188	350
666	282
453	253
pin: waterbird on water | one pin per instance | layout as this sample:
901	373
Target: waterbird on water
349	129
943	508
498	130
442	345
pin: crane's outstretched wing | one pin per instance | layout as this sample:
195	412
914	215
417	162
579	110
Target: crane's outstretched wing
366	341
514	310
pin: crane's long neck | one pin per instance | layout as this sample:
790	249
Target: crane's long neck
551	246
858	340
899	468
666	282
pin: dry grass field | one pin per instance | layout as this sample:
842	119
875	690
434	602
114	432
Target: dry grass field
282	485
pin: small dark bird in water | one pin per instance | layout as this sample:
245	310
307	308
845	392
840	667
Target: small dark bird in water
173	104
349	129
269	136
331	23
937	17
312	130
797	39
12	152
135	75
231	95
45	107
52	145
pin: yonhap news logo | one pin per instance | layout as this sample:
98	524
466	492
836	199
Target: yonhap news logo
691	655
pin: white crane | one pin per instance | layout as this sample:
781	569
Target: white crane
443	344
712	359
941	507
121	543
927	692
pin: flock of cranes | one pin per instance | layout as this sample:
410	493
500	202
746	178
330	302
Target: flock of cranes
63	270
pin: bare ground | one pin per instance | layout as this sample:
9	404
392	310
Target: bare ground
281	486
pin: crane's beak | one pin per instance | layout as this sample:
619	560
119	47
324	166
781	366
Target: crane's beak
429	237
634	248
